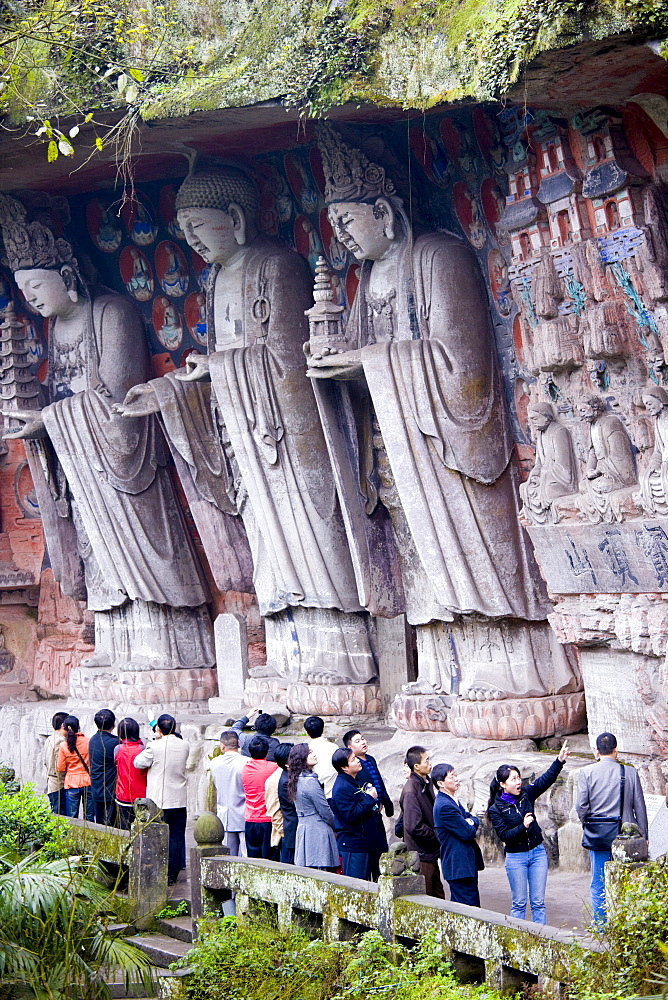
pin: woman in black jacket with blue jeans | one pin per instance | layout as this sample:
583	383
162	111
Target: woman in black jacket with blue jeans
510	811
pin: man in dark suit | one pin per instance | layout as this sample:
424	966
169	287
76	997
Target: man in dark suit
353	740
456	829
360	834
417	808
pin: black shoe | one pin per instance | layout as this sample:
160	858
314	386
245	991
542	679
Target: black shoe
171	881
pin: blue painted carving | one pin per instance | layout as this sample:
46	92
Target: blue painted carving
579	560
653	543
613	549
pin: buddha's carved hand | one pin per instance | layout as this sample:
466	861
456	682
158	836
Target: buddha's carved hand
33	425
197	369
140	401
330	363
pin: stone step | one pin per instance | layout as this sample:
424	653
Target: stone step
161	949
120	930
180	928
117	990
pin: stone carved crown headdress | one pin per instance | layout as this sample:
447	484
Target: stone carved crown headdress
349	174
31	244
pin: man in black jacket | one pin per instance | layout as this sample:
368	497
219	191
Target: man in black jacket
353	740
359	828
265	726
417	807
101	749
456	829
290	818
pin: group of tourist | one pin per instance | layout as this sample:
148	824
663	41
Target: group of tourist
317	805
104	775
311	804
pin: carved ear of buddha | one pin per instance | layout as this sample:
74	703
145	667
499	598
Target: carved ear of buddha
383	209
70	282
238	217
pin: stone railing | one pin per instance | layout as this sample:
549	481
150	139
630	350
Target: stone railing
142	851
482	945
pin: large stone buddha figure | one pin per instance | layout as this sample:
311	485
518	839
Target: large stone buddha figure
114	529
262	455
414	415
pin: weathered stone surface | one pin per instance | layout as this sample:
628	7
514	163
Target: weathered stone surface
97	685
422	712
514	718
658	833
208	831
231	639
334	699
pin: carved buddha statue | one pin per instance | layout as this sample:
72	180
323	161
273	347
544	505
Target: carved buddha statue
416	424
555	472
106	497
610	463
653	494
263	455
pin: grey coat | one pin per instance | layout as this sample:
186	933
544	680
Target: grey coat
598	793
315	846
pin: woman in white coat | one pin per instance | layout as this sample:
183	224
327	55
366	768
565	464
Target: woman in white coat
315	845
166	758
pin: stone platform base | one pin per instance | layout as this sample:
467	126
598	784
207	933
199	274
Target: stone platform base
424	712
519	718
258	690
334	699
170	688
314	699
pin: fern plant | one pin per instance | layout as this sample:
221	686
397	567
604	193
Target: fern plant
54	932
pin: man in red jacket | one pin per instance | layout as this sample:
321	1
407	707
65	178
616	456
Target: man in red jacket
417	806
258	820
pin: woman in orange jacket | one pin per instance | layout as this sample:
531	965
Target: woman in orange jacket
73	763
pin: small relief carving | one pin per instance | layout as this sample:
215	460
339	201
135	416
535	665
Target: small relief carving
653	543
612	547
555	473
579	561
610	463
653	495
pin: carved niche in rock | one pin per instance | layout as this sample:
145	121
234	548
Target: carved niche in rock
113	525
263	455
555	472
416	426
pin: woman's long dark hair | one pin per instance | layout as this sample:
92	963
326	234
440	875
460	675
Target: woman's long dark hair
71	726
296	767
502	774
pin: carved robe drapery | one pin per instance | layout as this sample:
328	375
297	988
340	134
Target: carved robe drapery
438	404
299	549
266	460
129	527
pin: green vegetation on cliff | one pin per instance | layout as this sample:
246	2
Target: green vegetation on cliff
177	56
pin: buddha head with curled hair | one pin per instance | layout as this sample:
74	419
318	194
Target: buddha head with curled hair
45	268
217	210
364	209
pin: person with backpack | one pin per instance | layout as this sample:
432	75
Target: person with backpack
510	810
609	794
74	765
54	780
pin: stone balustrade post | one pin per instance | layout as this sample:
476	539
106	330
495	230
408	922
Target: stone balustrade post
147	889
208	834
398	877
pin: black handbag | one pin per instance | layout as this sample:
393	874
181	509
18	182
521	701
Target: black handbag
598	832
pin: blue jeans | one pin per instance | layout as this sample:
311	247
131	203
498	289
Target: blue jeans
528	868
74	797
597	859
58	802
355	865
